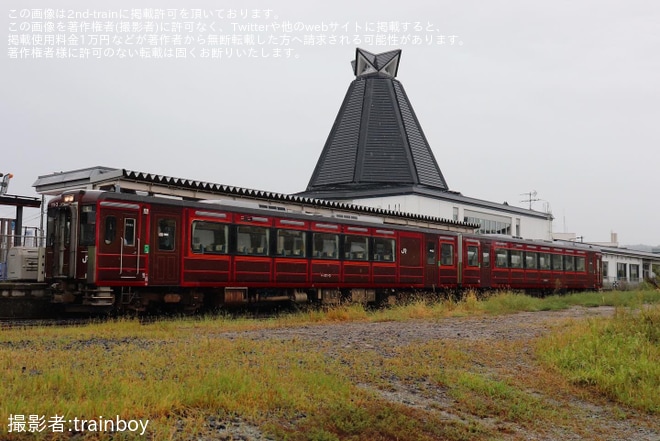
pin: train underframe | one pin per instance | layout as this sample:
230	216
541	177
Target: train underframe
80	297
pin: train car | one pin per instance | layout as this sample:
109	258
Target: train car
499	262
110	250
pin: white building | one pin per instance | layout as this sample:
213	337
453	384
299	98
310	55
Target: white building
377	155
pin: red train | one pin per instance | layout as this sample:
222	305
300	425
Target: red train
127	251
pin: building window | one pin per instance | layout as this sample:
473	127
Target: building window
634	273
455	213
621	271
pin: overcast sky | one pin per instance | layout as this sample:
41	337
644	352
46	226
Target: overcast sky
561	98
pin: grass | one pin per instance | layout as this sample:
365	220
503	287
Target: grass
618	357
178	373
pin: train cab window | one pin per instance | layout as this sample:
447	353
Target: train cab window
569	263
252	240
579	264
501	258
384	249
88	226
516	259
446	254
209	237
557	262
325	245
291	243
110	229
129	232
530	260
544	261
356	248
472	256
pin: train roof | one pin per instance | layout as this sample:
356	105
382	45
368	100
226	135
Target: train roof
233	197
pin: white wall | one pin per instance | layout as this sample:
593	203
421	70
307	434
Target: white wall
530	227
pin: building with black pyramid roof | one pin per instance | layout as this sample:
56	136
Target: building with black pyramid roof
377	155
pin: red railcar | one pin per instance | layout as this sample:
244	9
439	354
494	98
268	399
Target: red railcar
107	249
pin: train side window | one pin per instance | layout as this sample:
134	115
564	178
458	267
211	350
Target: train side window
579	264
568	263
325	245
356	247
557	262
384	249
252	240
486	258
516	259
209	237
291	243
544	261
166	234
472	256
530	260
501	258
129	232
446	254
110	229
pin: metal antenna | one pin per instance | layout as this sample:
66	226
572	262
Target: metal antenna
531	197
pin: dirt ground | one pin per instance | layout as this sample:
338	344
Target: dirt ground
595	418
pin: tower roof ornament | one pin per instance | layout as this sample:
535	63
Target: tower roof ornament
366	63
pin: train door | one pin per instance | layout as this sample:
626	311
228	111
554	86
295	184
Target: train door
411	264
122	232
598	280
485	264
431	265
471	263
165	247
62	238
447	262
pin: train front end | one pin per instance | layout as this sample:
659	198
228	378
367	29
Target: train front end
71	242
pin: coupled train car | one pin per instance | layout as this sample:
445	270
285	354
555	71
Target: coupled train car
127	251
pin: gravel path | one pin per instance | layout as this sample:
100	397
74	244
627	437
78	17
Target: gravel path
595	418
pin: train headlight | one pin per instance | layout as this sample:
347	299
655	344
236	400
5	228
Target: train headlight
68	198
